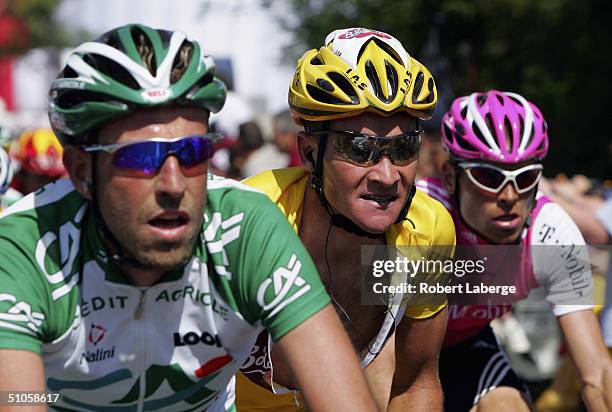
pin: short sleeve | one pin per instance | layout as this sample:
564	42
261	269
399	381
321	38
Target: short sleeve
442	248
23	309
279	283
561	262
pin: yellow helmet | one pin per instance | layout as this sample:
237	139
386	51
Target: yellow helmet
359	70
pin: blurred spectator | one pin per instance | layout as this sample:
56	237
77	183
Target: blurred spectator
250	140
285	137
253	155
237	111
571	195
432	155
39	155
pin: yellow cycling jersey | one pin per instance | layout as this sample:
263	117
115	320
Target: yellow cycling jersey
428	223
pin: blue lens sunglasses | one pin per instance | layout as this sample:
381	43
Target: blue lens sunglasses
144	158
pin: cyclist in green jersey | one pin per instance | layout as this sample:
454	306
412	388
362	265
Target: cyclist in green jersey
140	283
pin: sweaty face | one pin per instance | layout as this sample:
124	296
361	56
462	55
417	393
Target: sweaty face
498	217
156	219
372	197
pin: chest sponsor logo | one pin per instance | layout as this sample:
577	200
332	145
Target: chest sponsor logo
193	338
96	303
96	335
196	296
477	311
287	287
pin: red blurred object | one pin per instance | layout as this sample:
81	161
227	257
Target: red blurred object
6	82
14	36
14	33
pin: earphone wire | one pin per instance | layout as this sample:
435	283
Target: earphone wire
346	315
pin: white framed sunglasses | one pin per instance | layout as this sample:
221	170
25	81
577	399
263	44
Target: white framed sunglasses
493	179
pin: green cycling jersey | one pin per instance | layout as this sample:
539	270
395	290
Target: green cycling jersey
107	345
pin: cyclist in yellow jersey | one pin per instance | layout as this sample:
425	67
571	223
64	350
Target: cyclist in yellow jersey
359	98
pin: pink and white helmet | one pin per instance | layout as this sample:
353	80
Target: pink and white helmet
497	126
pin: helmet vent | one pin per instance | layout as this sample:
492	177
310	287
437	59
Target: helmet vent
181	61
393	80
462	143
344	85
321	96
515	100
499	99
70	99
521	125
204	81
68	73
418	85
489	121
315	61
374	80
448	133
145	49
508	133
430	87
478	133
325	85
111	69
481	99
111	39
390	50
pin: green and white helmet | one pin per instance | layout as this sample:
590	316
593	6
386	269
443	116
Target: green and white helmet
126	69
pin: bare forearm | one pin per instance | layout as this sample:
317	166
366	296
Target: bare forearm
21	371
597	394
325	365
416	385
418	398
590	355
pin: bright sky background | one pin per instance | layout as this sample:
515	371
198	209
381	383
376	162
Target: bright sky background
239	29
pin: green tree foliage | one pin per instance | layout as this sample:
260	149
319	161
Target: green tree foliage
36	19
555	52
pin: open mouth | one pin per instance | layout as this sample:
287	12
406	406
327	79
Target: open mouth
169	224
381	200
509	221
507	218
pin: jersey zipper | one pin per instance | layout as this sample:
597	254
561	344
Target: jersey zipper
139	316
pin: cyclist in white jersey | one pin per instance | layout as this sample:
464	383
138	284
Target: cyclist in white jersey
496	142
139	284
